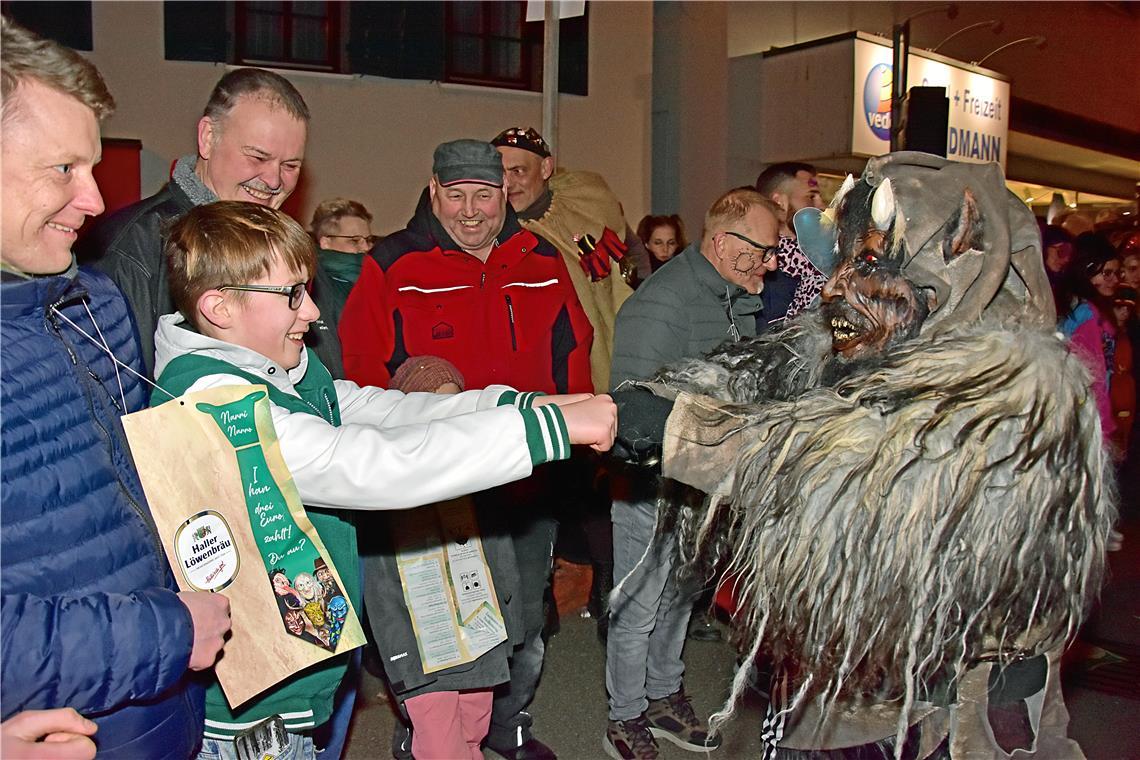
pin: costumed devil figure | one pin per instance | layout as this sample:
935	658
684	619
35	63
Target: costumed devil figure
908	482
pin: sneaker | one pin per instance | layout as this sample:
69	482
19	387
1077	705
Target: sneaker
673	720
401	741
630	740
702	627
531	749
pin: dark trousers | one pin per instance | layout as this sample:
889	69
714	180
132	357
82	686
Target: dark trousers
533	532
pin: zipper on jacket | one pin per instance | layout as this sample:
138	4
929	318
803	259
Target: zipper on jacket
511	320
108	440
733	330
53	322
51	315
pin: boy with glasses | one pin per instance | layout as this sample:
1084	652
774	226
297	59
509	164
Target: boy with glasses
237	275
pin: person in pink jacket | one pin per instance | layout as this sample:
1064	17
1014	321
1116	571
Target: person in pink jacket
1092	280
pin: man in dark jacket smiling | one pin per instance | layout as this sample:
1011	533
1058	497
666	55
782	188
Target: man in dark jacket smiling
251	144
91	618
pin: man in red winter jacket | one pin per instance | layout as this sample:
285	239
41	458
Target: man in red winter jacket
464	281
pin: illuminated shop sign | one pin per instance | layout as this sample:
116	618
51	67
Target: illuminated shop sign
979	105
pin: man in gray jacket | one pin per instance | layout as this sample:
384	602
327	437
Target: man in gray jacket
707	294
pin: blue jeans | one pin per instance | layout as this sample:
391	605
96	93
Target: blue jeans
649	617
300	748
334	734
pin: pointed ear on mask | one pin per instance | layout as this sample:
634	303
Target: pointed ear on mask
215	309
817	233
964	230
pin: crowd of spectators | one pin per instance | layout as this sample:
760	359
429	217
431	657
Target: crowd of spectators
1096	278
513	278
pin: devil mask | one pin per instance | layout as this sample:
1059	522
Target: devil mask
919	241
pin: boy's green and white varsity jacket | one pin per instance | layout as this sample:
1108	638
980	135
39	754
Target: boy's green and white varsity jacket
349	447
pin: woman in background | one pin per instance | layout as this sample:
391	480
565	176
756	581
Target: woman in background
1090	286
663	236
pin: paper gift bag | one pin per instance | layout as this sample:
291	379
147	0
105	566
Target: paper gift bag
231	521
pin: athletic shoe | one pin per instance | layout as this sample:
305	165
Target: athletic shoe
630	740
673	720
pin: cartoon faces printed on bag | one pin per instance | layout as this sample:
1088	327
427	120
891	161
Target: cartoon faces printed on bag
312	605
284	589
328	583
295	622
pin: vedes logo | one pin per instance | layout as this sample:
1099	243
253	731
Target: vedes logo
877	100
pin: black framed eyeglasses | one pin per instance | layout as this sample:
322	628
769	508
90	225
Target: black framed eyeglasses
369	240
767	252
296	292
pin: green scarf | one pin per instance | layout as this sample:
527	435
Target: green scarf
342	267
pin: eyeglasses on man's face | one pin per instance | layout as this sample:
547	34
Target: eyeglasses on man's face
358	240
766	252
296	292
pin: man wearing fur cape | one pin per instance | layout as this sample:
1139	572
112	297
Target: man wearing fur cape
908	482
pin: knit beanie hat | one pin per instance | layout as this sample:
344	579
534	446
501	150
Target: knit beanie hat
425	373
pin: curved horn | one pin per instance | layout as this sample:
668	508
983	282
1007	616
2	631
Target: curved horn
848	183
883	206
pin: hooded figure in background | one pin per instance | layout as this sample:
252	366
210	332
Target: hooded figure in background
908	481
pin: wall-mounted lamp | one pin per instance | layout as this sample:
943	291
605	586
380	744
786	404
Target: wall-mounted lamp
900	37
995	26
1038	42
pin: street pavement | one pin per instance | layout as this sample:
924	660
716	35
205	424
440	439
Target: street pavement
1102	680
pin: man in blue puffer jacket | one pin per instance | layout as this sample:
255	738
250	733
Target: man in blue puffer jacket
90	614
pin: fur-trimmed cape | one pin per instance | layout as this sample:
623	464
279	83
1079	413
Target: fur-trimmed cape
948	503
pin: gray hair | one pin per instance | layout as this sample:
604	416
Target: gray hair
257	83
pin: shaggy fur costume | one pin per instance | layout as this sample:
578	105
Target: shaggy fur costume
909	482
948	503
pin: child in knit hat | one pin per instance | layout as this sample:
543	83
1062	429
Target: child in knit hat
430	374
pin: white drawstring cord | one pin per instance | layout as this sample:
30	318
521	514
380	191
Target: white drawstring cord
110	353
107	348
